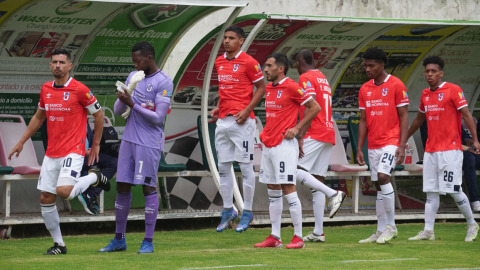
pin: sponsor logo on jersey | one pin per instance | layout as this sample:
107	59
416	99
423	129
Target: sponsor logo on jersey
462	97
377	102
384	91
279	94
369	94
49	95
368	103
427	98
373	113
435	117
55	107
235	67
139	176
66	95
307	84
90	95
440	96
258	67
53	118
405	94
434	108
301	91
220	68
149	87
270	114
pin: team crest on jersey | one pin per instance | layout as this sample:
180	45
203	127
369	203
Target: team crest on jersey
440	96
235	67
279	94
149	87
66	95
384	92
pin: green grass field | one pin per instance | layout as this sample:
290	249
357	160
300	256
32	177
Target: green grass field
207	249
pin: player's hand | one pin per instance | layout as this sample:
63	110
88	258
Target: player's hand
126	99
301	154
214	114
291	133
17	149
242	116
360	158
400	155
93	157
469	142
477	147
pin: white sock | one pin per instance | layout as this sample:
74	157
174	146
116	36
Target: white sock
464	206
248	184
275	210
52	222
388	197
431	208
82	184
295	212
381	214
308	180
227	181
318	211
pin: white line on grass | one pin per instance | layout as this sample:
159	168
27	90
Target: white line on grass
226	266
388	260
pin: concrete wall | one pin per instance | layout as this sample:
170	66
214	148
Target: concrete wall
392	9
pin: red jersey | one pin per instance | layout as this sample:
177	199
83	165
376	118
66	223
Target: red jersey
235	82
282	105
380	103
66	111
442	111
321	128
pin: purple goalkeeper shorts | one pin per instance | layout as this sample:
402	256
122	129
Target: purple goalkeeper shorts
137	164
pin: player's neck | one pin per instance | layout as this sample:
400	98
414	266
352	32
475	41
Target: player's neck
380	78
151	70
434	87
231	55
279	79
61	81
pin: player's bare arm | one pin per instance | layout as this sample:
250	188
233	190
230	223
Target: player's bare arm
97	136
244	114
417	122
304	129
214	113
467	117
403	116
33	126
362	135
313	110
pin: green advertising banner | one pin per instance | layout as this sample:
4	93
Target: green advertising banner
110	50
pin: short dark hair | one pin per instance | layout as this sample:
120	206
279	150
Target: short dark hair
62	51
307	55
377	54
145	48
237	29
434	59
280	60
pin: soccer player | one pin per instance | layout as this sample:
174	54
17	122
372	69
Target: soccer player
141	145
64	102
280	148
383	104
238	72
315	143
443	104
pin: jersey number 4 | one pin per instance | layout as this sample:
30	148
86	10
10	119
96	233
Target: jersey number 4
389	157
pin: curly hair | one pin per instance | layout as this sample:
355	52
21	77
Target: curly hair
374	53
145	48
434	59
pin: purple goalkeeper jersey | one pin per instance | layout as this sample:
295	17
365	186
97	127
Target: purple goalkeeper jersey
150	92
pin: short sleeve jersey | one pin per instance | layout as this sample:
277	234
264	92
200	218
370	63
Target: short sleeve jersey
380	103
154	89
235	82
66	110
442	111
282	104
321	128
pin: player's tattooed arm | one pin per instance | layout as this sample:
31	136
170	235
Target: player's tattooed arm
313	110
33	126
243	115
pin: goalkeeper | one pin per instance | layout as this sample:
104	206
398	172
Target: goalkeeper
144	101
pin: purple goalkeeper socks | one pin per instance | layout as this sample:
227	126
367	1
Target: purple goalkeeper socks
151	211
122	207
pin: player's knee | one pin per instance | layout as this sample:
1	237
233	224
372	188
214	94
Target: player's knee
288	188
47	197
123	187
383	179
148	190
63	192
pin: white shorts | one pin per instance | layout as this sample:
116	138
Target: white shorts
279	163
53	169
442	172
234	142
382	160
317	156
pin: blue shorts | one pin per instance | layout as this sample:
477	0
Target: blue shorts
137	164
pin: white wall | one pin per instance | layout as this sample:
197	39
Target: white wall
393	9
